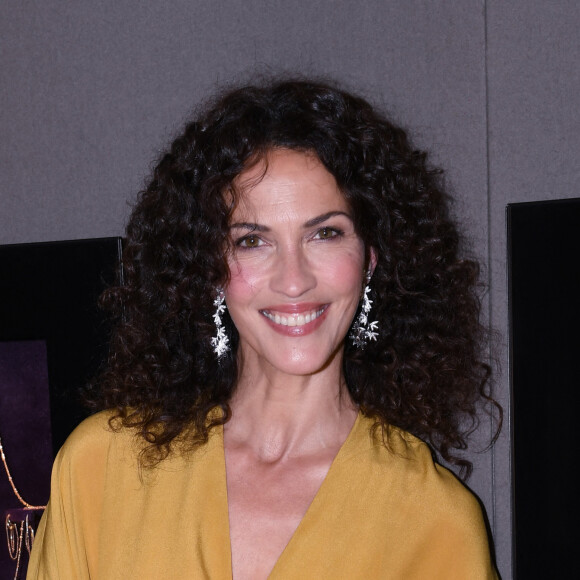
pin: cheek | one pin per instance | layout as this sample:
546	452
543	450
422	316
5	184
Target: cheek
243	284
344	272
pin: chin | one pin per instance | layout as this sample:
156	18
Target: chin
302	362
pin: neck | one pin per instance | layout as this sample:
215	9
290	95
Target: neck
279	416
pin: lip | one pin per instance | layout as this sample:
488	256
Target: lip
296	309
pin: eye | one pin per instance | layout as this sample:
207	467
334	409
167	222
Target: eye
327	233
250	241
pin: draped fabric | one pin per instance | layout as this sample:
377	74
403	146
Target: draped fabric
384	513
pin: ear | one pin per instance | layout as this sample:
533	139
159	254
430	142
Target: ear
371	261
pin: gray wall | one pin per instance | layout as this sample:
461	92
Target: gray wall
91	90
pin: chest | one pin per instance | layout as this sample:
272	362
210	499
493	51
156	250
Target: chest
372	517
266	504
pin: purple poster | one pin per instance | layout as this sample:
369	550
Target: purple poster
25	431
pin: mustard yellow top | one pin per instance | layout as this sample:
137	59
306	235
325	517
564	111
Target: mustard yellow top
378	514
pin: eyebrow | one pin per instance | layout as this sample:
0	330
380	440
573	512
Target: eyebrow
249	226
325	216
309	224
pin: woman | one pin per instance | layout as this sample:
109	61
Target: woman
295	319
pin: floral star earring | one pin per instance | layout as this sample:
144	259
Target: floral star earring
362	330
220	341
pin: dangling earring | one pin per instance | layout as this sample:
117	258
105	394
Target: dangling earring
362	330
220	340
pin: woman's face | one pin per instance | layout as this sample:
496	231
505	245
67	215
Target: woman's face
297	265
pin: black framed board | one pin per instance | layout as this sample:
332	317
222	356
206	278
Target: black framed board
544	301
53	338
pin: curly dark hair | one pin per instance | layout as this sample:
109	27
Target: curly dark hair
424	374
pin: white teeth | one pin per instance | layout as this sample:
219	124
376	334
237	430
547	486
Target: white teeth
293	319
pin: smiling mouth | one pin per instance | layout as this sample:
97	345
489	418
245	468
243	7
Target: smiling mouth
294	319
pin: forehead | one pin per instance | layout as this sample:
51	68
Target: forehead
289	182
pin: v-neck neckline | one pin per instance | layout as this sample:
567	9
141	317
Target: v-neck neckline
318	498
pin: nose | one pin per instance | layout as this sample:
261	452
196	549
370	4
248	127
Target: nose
292	275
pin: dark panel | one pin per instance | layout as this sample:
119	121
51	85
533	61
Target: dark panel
53	338
49	291
26	446
544	275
